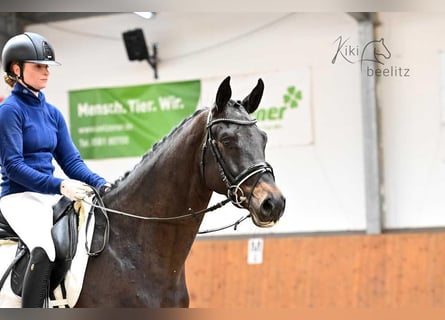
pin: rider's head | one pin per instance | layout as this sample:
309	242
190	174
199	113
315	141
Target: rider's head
20	49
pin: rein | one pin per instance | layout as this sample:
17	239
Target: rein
233	183
159	219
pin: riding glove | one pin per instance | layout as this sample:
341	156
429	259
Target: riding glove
75	189
105	188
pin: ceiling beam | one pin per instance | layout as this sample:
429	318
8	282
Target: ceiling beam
360	16
45	17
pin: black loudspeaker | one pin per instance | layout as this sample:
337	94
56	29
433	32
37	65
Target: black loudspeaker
135	45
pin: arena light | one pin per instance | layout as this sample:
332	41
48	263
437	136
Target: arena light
145	15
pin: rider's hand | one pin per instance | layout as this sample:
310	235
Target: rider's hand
105	188
74	189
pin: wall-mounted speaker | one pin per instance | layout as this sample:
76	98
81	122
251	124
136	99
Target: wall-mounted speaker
135	45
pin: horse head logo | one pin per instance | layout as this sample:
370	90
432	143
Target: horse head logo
375	51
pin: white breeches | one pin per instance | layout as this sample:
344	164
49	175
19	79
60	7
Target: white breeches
30	215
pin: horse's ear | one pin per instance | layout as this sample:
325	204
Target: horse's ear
224	94
252	101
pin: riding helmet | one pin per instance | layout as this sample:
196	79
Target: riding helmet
27	47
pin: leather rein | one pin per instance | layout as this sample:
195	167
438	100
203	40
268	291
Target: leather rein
233	183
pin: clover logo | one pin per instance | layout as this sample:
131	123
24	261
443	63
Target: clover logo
292	97
291	100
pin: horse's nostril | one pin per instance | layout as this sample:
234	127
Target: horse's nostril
273	207
267	207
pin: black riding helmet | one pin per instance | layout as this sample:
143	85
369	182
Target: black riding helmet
27	47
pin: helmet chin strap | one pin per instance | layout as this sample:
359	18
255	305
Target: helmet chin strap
22	77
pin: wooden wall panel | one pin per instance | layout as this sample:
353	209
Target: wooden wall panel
391	270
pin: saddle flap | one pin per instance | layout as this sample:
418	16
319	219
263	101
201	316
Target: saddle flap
65	234
60	207
65	237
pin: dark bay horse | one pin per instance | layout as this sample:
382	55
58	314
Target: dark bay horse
214	150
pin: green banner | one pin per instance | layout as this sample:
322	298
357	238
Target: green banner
127	121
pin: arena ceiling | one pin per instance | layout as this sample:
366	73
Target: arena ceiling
12	23
44	17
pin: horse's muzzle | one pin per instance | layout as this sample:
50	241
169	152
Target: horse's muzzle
267	206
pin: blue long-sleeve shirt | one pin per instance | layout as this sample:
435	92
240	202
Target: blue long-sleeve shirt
32	134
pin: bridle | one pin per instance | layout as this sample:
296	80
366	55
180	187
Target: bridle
233	183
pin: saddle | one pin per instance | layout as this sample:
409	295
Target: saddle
64	233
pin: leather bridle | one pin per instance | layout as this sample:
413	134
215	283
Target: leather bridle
233	182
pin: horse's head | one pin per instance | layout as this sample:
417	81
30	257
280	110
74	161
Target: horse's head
380	49
234	156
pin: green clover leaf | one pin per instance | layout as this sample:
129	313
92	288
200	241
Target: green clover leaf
291	97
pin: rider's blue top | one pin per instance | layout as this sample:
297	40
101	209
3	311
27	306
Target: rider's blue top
32	134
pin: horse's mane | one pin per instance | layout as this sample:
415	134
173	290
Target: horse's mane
158	144
155	147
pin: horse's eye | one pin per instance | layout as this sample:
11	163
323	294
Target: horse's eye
227	141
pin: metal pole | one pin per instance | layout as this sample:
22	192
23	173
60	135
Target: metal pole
371	138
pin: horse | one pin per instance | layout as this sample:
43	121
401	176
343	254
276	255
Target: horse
218	149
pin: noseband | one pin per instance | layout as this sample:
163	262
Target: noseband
233	183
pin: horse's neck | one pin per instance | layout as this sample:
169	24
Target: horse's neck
165	184
168	181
